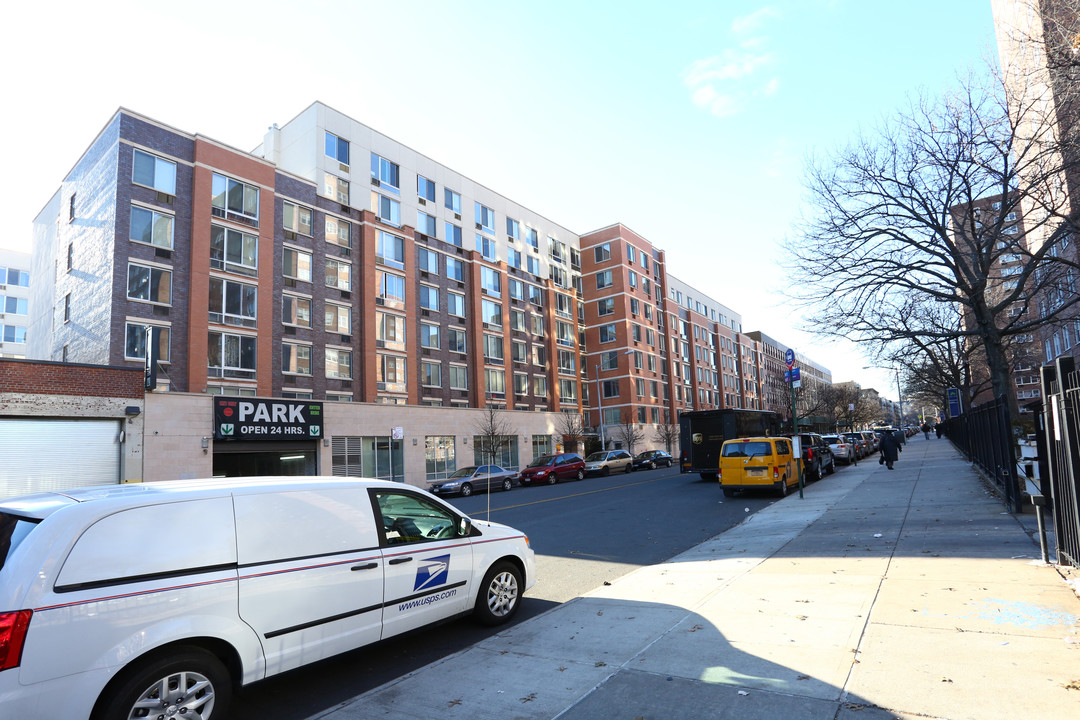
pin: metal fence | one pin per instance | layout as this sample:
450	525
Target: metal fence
1060	435
984	434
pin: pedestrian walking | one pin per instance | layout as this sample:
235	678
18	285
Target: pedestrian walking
939	430
926	430
890	449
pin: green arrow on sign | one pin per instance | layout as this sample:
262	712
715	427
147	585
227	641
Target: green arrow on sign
227	429
313	430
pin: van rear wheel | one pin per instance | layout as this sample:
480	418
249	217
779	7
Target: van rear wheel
782	487
188	683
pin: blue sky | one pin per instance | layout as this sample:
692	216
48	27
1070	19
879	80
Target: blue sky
687	121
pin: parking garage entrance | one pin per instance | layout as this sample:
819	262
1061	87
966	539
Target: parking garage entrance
254	436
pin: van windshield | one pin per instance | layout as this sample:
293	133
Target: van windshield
542	461
746	449
13	530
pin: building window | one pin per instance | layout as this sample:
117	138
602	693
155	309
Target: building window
425	224
536	295
234	251
607	333
151	284
336	188
517	320
234	200
557	250
567	391
455	340
431	374
429	336
338	274
295	359
453	234
233	303
459	377
493	348
564	333
391	289
540	386
390	249
521	384
491	281
455	304
429	297
230	356
495	381
337	318
486	247
337	148
386	209
390	331
455	269
296	264
296	310
603	280
151	227
491	313
390	373
296	218
532	237
386	173
538	325
631	253
533	265
452	200
602	253
425	190
513	229
517	289
14	306
567	361
338	363
427	261
485	219
513	258
519	352
338	231
154	172
135	342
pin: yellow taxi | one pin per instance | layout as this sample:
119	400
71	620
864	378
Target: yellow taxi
756	463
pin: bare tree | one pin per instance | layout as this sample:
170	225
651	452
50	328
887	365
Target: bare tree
493	434
628	432
572	430
895	226
666	433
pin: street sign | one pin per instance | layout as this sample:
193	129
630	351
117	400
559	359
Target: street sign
792	375
953	394
789	358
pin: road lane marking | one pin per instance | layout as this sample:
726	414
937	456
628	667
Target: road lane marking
581	494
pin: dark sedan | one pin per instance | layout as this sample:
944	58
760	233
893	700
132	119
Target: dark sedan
652	459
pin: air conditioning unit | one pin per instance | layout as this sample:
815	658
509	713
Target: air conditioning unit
345	208
424	273
290	235
346	295
422	201
379	300
375	182
380	344
479	226
343	167
345	252
165	198
457	216
290	282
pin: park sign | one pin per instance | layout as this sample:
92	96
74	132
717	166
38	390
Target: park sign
256	419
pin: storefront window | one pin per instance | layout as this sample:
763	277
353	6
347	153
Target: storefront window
374	456
439	452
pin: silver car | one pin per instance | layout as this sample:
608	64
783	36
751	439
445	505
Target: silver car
607	461
843	447
475	477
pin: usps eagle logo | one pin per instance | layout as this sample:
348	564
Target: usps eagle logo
432	571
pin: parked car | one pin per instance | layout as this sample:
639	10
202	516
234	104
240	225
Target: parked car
872	440
652	459
551	469
843	448
104	612
818	459
467	479
756	464
861	443
602	463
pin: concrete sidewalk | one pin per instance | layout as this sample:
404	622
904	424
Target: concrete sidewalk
882	594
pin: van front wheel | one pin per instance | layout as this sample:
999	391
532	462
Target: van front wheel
500	594
188	683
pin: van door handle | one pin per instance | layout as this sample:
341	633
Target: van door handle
368	566
398	561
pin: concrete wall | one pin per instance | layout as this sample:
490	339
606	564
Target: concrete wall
176	423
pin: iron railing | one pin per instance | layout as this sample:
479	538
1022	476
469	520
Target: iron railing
984	434
1060	434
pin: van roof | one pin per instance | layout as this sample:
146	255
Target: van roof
40	505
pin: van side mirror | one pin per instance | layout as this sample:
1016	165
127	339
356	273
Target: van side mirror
464	527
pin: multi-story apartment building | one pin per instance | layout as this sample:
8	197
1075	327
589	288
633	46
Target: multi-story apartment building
14	303
332	263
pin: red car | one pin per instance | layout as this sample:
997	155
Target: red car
552	468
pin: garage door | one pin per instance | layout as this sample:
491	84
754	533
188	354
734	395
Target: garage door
40	455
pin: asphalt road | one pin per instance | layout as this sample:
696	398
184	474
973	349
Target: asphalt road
584	533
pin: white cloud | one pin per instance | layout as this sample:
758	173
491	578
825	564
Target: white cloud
724	84
753	21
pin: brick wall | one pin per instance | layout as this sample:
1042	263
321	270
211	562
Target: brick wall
50	378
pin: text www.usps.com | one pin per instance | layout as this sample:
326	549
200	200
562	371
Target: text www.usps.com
426	600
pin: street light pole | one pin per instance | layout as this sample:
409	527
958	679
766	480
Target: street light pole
600	397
